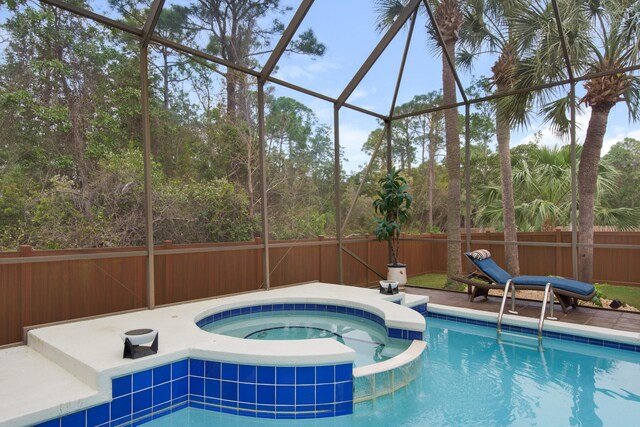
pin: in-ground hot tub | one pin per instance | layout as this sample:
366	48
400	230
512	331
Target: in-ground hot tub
318	376
367	336
382	340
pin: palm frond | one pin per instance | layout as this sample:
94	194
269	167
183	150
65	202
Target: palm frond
517	108
386	12
632	98
555	113
623	219
490	215
630	27
465	59
607	178
545	214
525	22
490	193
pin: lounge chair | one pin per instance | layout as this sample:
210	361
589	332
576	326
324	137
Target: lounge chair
489	275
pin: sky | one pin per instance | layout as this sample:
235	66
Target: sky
348	30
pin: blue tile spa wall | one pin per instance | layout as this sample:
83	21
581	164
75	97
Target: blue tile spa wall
257	310
136	399
249	390
272	392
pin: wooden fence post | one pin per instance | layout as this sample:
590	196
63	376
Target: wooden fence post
559	252
259	262
169	293
320	269
368	260
26	284
489	238
430	269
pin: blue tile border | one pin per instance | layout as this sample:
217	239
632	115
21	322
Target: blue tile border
530	331
350	311
421	308
247	390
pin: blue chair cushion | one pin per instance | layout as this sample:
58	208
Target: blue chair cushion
568	285
489	267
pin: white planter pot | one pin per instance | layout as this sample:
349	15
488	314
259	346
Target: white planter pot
397	273
139	336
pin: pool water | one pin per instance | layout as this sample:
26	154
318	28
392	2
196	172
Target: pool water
472	379
368	339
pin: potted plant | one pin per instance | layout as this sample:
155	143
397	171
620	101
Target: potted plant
392	204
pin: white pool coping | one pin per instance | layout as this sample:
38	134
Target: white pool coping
414	351
69	366
587	331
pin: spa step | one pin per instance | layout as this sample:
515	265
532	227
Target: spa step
51	389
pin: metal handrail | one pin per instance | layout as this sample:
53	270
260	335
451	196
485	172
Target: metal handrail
543	309
548	291
511	285
551	302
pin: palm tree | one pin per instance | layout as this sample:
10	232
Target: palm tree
448	17
487	29
601	36
542	180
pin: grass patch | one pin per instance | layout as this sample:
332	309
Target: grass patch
434	281
627	294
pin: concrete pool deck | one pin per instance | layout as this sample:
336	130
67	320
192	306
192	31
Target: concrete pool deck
68	367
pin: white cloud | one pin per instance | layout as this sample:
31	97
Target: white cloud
311	70
362	93
322	109
322	66
293	72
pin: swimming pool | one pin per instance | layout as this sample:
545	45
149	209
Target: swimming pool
368	339
470	378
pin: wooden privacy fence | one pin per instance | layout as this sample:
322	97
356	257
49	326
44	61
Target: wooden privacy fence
33	293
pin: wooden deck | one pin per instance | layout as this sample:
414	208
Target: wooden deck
613	319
